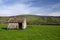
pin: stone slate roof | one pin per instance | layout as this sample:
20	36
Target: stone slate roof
15	20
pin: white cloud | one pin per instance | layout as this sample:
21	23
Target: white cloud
54	10
16	9
54	14
21	8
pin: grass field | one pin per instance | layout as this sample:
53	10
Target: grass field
32	32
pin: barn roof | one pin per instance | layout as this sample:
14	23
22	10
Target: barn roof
15	20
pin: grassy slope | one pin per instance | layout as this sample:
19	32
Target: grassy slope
33	32
33	19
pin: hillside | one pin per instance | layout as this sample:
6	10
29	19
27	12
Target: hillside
33	19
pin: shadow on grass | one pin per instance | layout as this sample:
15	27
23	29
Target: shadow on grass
11	29
4	28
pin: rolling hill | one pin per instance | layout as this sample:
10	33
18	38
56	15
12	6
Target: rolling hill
33	19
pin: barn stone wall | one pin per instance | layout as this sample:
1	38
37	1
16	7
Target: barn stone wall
16	25
24	24
13	26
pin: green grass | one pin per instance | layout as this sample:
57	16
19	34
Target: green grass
32	32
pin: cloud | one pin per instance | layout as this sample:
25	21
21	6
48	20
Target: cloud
54	14
54	10
20	8
14	10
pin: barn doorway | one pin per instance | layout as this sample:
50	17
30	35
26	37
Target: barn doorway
20	25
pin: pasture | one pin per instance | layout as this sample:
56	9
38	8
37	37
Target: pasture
32	32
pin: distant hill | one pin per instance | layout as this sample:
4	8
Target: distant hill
33	19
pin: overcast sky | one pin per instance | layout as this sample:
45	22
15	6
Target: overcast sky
32	7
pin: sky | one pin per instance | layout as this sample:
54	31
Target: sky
30	7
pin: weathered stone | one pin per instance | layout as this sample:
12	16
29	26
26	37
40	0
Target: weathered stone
14	23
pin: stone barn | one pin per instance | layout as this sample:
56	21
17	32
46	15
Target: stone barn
16	23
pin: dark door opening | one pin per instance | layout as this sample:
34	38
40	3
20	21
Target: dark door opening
20	25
